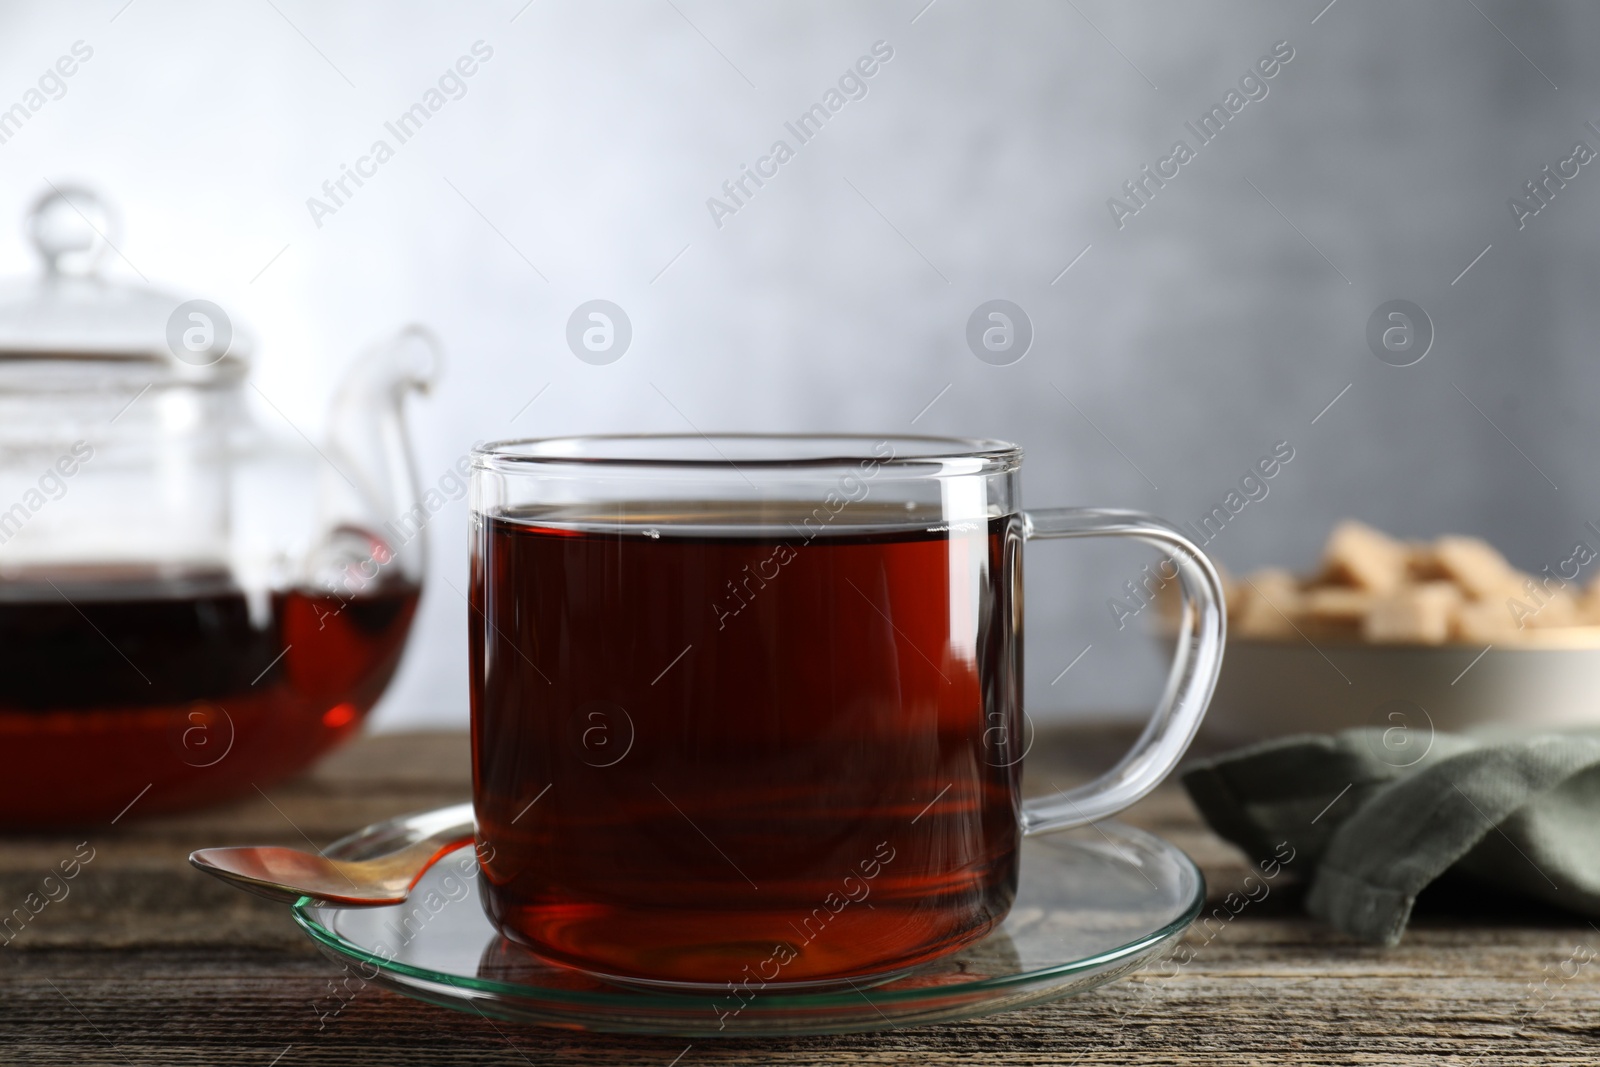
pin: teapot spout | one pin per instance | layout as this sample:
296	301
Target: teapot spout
373	529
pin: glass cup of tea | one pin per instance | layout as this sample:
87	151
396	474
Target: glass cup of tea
747	709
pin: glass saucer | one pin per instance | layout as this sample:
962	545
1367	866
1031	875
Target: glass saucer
1093	904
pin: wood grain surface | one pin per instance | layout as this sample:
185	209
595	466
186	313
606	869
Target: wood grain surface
145	961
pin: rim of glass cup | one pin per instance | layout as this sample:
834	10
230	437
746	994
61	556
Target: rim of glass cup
751	451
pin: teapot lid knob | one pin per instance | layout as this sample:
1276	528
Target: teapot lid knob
71	228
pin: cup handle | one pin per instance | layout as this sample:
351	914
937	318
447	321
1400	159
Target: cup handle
1177	717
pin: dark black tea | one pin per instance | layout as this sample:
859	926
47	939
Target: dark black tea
172	689
732	748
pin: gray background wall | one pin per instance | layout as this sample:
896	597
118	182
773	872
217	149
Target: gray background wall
1221	319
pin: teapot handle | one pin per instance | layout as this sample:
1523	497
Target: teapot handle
371	504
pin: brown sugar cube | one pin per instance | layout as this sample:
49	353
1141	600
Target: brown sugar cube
1274	583
1259	619
1560	608
1335	604
1420	614
1262	604
1475	566
1518	589
1422	563
1484	622
1358	555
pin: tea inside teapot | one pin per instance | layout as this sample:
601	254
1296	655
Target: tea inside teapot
164	676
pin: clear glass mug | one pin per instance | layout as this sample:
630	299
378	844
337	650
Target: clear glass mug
748	709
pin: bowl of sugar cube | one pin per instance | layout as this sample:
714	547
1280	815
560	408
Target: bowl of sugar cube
1410	637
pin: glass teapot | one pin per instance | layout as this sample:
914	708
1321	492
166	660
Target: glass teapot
191	605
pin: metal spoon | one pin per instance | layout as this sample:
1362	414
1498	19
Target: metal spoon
383	868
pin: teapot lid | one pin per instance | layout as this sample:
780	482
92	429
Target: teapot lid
73	317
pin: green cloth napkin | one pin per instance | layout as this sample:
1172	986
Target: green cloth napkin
1373	816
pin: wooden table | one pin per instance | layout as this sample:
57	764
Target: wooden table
147	962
